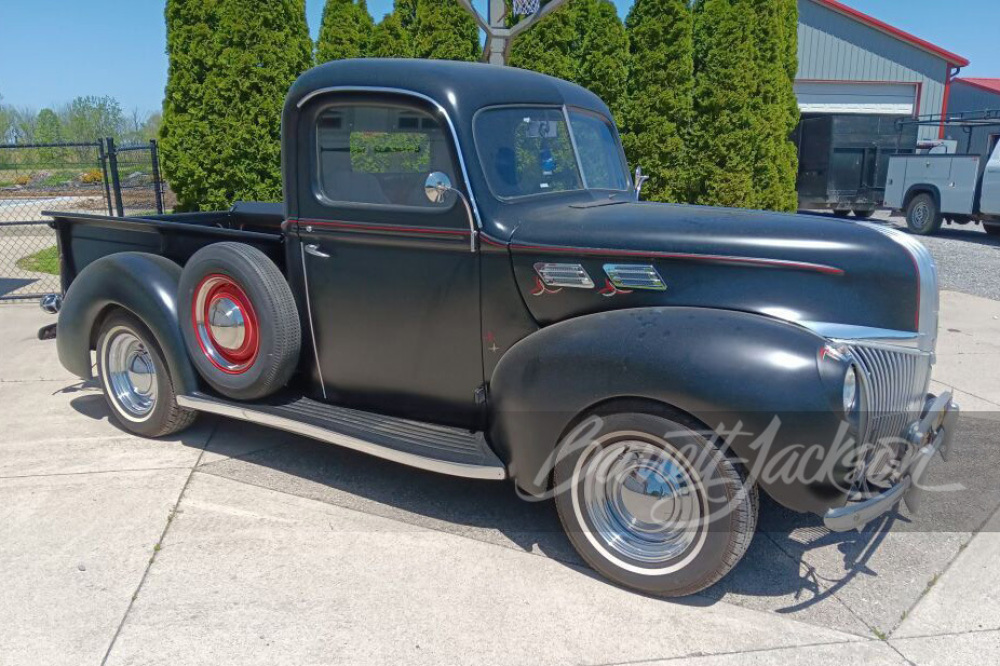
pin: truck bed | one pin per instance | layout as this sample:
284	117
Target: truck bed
84	238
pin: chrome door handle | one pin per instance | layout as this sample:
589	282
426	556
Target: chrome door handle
314	250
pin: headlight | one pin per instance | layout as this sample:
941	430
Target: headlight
850	390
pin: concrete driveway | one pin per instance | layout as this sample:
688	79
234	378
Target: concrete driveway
233	544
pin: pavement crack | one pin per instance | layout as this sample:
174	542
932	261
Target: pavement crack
95	471
156	549
713	655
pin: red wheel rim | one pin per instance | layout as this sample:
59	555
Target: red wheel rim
225	324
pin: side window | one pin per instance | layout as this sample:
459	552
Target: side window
372	154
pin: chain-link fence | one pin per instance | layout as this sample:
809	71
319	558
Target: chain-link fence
98	177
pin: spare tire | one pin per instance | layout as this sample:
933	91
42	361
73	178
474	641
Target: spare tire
239	320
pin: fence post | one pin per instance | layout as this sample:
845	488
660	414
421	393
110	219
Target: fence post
154	157
103	156
115	180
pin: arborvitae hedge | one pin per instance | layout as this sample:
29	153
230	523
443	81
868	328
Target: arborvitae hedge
657	107
231	63
191	25
346	31
726	127
444	31
585	42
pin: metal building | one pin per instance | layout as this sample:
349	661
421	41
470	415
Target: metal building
853	63
976	100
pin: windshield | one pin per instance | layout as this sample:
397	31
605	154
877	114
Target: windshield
529	150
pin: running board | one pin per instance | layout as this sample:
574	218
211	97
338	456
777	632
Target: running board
423	445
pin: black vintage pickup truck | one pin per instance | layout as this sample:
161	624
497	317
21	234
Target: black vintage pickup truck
462	279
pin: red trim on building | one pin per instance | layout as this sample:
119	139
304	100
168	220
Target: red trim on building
989	85
952	58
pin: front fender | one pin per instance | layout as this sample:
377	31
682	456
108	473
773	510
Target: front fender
724	368
145	285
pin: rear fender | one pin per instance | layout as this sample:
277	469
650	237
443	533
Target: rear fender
143	284
723	368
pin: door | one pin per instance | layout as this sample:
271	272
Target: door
392	277
989	202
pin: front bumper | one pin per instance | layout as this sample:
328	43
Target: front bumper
931	435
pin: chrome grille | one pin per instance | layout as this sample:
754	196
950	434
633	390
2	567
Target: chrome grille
896	382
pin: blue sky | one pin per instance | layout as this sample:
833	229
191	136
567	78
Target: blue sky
54	50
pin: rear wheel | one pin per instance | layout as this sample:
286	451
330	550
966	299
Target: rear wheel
922	215
863	213
652	504
841	213
136	382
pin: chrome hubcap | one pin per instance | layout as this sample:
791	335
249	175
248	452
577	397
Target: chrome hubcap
642	501
227	324
131	375
920	214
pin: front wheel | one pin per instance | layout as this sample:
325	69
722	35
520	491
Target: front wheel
136	381
922	215
652	504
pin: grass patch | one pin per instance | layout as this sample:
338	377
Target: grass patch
43	261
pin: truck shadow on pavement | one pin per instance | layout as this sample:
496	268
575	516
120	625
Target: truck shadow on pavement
794	562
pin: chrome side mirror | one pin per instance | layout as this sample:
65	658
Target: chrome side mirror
639	181
437	186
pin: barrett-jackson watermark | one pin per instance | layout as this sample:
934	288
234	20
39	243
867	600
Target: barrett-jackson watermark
873	467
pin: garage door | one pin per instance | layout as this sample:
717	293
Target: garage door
887	98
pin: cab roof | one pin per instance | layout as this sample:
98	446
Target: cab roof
461	88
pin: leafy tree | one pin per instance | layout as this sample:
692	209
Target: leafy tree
723	145
390	39
231	63
583	42
90	118
346	30
48	129
658	107
6	121
443	31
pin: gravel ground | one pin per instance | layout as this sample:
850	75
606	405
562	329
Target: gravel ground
968	260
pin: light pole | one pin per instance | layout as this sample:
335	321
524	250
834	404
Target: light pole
498	36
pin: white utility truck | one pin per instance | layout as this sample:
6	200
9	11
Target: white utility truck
930	188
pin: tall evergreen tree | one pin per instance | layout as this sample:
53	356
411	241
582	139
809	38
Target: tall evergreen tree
583	42
603	62
444	31
263	47
776	109
723	144
346	30
657	110
186	124
390	39
231	63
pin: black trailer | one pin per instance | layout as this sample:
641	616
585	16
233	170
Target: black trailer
844	159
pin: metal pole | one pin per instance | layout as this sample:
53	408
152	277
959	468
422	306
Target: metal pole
104	167
154	156
497	36
115	181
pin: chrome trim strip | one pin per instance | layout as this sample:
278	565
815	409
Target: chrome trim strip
399	91
201	404
309	313
869	334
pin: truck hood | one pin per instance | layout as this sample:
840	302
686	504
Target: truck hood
801	268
